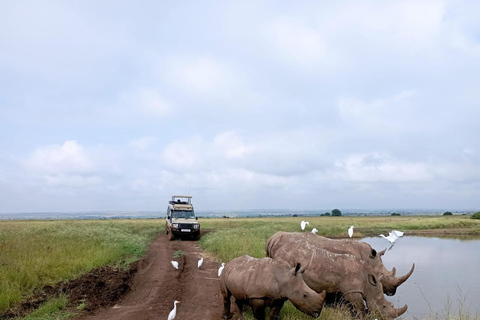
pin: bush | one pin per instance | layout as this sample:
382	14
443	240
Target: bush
395	214
476	215
448	213
336	213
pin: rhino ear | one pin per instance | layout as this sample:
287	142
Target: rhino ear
372	280
299	269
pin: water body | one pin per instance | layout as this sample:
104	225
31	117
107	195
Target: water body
446	277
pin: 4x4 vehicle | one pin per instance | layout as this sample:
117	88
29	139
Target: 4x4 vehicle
181	220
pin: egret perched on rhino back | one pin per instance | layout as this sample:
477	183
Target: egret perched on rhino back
359	249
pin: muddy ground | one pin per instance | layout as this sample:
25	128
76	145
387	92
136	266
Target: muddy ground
156	284
144	291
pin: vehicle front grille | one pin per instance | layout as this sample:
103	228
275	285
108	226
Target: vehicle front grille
185	226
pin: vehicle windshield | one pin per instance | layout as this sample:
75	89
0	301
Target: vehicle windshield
182	214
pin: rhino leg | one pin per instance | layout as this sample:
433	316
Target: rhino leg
239	308
258	307
226	303
275	308
357	306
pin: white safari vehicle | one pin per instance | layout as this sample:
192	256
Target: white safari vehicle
181	220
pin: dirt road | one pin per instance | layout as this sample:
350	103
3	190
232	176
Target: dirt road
157	284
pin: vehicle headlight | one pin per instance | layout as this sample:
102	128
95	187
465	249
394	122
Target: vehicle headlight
175	225
196	226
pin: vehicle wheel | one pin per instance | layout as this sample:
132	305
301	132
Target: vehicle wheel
171	236
166	229
197	236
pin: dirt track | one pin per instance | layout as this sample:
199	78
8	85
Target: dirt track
157	284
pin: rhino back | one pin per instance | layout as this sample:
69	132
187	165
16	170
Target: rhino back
246	277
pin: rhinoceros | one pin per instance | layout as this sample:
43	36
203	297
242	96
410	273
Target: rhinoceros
265	283
340	273
359	249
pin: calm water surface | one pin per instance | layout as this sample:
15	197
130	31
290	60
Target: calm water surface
446	276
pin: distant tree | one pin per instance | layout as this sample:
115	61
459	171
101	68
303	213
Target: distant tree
476	215
336	213
295	215
396	214
327	214
448	213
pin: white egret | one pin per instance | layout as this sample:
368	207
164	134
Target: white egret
174	264
200	262
350	231
173	313
314	230
221	269
392	237
303	224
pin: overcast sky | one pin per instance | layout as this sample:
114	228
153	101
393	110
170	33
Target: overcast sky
117	105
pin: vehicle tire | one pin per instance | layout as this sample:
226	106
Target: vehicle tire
196	237
166	228
171	236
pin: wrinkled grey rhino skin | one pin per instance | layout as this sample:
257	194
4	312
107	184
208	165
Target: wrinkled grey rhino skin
359	249
267	283
339	273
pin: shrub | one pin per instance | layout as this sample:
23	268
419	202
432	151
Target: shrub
448	213
336	213
476	215
396	214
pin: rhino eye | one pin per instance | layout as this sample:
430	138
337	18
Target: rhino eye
305	295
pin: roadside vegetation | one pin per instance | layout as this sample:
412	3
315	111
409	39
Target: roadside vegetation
38	253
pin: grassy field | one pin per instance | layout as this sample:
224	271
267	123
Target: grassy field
38	253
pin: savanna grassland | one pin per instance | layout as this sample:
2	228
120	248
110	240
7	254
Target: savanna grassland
38	253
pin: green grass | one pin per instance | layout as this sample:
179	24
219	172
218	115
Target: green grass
236	237
53	309
39	253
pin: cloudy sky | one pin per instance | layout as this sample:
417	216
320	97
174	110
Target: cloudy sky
117	105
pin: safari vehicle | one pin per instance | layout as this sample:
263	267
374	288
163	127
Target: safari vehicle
181	220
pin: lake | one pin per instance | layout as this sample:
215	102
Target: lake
446	276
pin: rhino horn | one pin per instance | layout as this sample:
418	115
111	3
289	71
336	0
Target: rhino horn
401	310
381	253
393	272
400	280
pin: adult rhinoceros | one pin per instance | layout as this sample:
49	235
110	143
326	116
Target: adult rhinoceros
339	273
267	283
359	249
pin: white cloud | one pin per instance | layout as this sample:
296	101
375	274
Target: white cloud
71	180
70	157
296	43
388	113
376	167
203	77
141	102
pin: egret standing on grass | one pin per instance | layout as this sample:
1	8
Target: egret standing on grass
200	262
221	269
174	264
173	313
303	224
350	231
314	230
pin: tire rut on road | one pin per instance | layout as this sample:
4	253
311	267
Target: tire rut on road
157	284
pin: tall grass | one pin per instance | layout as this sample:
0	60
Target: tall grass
38	253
